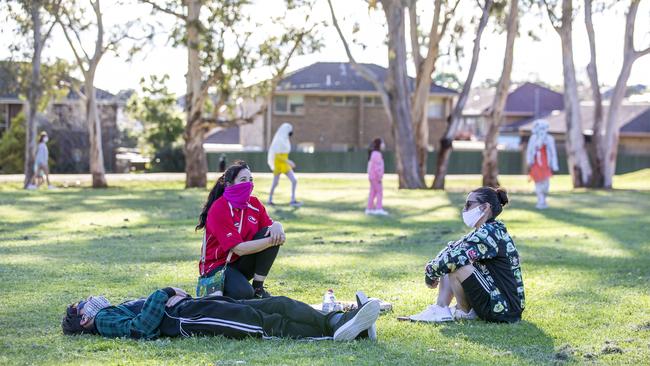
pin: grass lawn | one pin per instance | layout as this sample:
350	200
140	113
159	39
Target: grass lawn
586	266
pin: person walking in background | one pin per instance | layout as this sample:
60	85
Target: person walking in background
41	167
278	160
541	158
375	176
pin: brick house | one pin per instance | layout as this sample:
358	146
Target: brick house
332	108
525	103
64	120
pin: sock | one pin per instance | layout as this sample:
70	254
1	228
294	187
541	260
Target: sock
258	284
334	319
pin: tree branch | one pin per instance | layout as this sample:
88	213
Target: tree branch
415	43
363	71
99	42
552	16
448	15
72	46
164	10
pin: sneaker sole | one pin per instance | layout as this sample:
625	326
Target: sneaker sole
366	316
372	331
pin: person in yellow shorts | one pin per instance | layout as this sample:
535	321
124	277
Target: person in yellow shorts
278	160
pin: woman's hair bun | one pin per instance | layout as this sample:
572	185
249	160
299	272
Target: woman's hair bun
502	195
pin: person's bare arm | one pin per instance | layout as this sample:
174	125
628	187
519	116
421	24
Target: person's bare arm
254	246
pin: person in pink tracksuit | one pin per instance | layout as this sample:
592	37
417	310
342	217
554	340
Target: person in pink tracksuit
375	175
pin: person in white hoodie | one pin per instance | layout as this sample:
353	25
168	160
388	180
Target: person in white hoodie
278	160
541	158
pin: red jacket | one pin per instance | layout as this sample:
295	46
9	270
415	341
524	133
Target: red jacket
226	227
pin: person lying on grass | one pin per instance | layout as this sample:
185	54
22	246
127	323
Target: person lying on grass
170	312
481	269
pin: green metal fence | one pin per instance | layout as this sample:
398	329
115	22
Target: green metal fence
461	162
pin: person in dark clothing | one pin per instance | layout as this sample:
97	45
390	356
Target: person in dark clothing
170	312
481	270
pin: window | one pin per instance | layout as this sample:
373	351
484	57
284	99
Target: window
368	101
280	104
435	109
292	104
338	101
378	101
4	118
323	101
351	101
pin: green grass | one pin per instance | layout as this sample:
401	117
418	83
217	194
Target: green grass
586	265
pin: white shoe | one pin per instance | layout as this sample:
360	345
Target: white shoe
461	315
357	321
433	314
369	211
362	299
31	187
381	212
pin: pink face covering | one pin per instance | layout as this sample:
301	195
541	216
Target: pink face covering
238	194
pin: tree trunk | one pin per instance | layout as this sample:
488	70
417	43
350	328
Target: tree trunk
424	69
35	93
490	166
630	55
196	166
399	97
595	147
94	134
446	142
577	157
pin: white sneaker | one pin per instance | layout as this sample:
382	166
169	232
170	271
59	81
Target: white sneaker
461	315
433	314
369	211
356	321
372	331
381	212
31	187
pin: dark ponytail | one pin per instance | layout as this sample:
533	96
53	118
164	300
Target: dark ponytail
219	187
375	145
496	197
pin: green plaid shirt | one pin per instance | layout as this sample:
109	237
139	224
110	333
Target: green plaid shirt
118	321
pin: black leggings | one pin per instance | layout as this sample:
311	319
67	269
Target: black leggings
277	316
240	272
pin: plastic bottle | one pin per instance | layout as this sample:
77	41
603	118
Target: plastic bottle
329	301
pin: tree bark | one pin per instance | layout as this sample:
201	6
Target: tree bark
94	133
196	166
577	157
446	142
35	93
399	96
490	166
630	55
424	68
595	147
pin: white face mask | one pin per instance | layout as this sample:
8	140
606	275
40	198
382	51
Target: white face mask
471	217
45	139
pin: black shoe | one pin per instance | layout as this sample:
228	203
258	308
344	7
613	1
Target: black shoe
371	332
261	293
355	321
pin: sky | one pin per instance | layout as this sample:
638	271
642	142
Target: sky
534	60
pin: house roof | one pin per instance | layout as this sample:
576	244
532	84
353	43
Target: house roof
633	119
340	76
221	135
527	99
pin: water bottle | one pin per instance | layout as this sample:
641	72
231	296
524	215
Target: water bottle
329	301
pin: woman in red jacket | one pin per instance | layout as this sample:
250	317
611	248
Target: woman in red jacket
238	231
